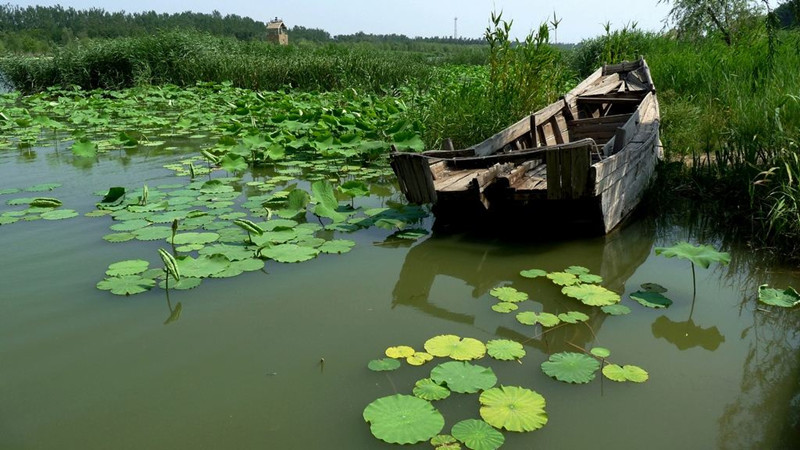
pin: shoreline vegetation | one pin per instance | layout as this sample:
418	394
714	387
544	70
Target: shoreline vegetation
730	97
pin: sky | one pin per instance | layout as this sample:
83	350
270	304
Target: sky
580	19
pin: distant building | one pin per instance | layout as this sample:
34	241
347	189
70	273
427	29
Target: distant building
277	32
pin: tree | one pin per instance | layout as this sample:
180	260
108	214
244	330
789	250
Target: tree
696	18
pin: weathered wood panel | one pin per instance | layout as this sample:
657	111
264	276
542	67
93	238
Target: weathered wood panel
502	138
625	133
568	172
415	177
622	67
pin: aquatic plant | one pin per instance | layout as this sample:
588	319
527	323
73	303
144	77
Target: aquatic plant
702	255
787	298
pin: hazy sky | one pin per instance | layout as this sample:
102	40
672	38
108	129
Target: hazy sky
580	18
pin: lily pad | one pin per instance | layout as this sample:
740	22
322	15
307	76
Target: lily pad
194	238
577	270
443	439
533	273
513	408
532	318
600	352
130	225
478	435
653	287
463	377
400	352
590	278
571	367
455	347
202	267
702	255
651	299
505	350
184	284
337	246
152	233
426	389
625	373
403	419
563	278
573	317
504	307
508	294
119	237
59	214
129	267
383	365
289	253
419	358
126	285
591	294
786	298
615	310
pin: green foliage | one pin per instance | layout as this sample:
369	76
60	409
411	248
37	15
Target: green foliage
625	373
452	346
426	389
403	419
505	350
702	255
571	367
508	294
383	365
787	298
651	299
513	408
478	435
463	377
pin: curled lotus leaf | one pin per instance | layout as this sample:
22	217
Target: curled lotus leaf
505	349
129	267
702	255
615	310
591	294
577	270
513	408
463	377
126	285
571	367
399	352
563	278
786	298
508	294
426	389
625	373
419	358
532	318
573	317
654	300
455	347
383	365
478	435
403	419
533	273
504	307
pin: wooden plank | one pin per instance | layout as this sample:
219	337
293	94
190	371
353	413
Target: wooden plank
544	114
625	133
482	162
617	119
438	169
534	132
590	80
463	153
553	162
625	66
606	84
457	181
557	133
568	172
502	138
414	174
547	130
581	160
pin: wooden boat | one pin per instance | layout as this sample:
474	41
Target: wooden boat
583	161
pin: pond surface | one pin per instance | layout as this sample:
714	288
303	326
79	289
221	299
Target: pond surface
277	358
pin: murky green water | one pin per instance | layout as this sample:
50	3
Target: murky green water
83	369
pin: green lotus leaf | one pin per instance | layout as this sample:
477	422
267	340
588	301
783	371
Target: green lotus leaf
590	278
702	255
129	267
279	224
194	238
653	287
59	214
84	148
130	225
513	408
9	191
312	242
411	234
399	352
20	201
463	377
452	346
119	237
573	317
591	294
383	365
626	373
45	202
183	285
152	233
577	270
563	278
600	352
651	299
354	188
202	267
426	389
296	203
403	419
571	367
532	318
337	246
237	268
167	217
233	163
188	248
505	350
505	307
275	237
443	439
8	220
419	358
126	285
615	310
533	273
787	298
478	435
289	253
508	294
327	204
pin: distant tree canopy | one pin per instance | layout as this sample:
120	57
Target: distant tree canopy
696	18
789	13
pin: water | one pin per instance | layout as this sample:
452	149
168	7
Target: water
243	365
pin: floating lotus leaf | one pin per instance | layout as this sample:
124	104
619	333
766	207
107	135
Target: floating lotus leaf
194	238
653	287
152	233
443	439
188	248
563	278
289	253
463	377
411	234
232	252
167	217
20	201
504	307
590	278
403	419
279	224
248	265
126	285
130	225
478	435
8	220
591	294
508	294
383	365
9	191
84	149
577	270
615	310
59	214
183	285
129	267
426	389
202	267
233	163
45	202
573	317
354	188
312	242
419	358
513	408
119	237
505	350
625	373
337	246
787	298
571	367
533	273
600	352
532	318
43	187
651	299
454	347
402	351
702	255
